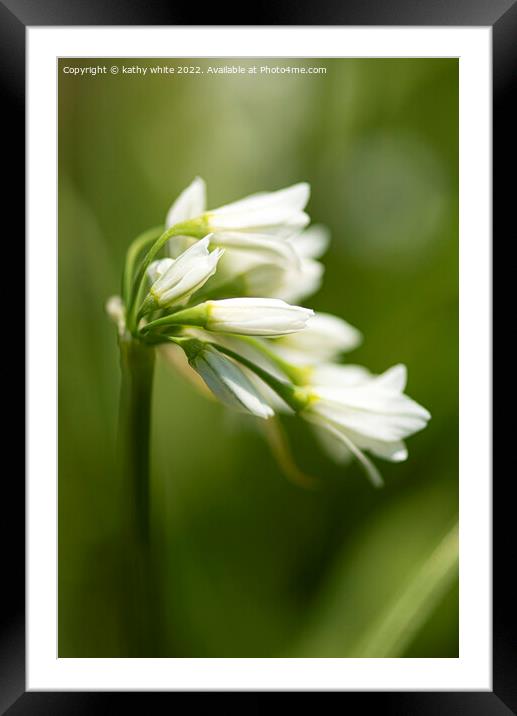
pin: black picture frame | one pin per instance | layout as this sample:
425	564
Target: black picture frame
15	17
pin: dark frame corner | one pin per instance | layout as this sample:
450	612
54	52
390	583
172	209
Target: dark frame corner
501	15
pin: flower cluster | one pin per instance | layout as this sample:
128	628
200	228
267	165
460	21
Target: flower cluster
225	293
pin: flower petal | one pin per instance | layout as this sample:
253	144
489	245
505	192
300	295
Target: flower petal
334	375
157	268
293	198
371	471
325	337
311	243
300	282
265	247
189	204
280	212
395	378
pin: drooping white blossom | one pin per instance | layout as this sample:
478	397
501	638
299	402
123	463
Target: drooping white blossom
372	414
255	223
228	382
252	353
243	333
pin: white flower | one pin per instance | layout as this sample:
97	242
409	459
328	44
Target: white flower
325	337
278	212
255	316
273	267
370	414
331	374
228	382
176	280
257	224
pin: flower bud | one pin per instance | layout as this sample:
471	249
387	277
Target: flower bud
255	316
178	279
226	379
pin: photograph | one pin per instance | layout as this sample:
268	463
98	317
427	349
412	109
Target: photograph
258	345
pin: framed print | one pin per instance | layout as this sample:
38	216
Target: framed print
259	355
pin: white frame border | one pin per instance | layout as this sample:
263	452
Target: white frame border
472	670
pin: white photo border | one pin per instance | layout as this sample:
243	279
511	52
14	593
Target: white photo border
473	669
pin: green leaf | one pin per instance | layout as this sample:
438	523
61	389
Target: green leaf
402	619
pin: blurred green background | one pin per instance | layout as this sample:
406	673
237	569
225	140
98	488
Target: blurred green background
249	564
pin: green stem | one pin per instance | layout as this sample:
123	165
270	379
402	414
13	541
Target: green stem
137	364
196	228
299	375
194	316
290	393
135	249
